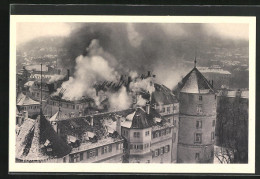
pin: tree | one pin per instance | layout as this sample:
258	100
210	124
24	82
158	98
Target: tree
232	130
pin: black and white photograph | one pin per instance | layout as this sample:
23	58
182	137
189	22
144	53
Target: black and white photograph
132	91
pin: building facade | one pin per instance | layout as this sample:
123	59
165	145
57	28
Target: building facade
197	119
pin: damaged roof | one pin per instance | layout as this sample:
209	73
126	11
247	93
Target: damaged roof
195	82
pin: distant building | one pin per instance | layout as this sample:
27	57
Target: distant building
218	77
71	108
197	119
25	103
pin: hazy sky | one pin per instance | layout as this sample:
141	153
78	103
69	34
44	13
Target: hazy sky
29	31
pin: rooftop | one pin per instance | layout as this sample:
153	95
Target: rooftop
195	82
24	100
32	137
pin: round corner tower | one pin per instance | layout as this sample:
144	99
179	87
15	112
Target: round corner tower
197	119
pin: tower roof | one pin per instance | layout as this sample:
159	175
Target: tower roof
195	82
35	138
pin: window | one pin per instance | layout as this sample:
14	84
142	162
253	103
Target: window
163	109
212	135
117	146
199	109
106	149
168	110
197	156
156	153
146	146
212	153
197	138
200	98
81	156
73	106
215	96
168	131
166	148
64	159
161	150
174	137
137	134
92	153
213	123
198	124
163	132
174	122
147	133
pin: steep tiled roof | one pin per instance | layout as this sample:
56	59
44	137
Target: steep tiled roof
143	120
195	82
162	94
58	116
33	135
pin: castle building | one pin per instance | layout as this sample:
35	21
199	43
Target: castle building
167	105
197	119
148	137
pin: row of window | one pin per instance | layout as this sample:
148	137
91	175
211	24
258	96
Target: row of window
139	146
92	153
199	124
72	106
30	107
198	137
161	151
160	133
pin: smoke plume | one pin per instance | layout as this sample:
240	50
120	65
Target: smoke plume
89	69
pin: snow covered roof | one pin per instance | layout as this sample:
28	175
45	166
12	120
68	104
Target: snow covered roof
24	100
195	82
32	136
141	120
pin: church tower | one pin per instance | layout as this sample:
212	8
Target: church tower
197	120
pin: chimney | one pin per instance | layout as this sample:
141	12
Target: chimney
148	73
68	74
118	124
25	115
91	120
148	107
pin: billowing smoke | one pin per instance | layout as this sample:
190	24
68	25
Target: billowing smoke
89	69
142	85
120	100
56	78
